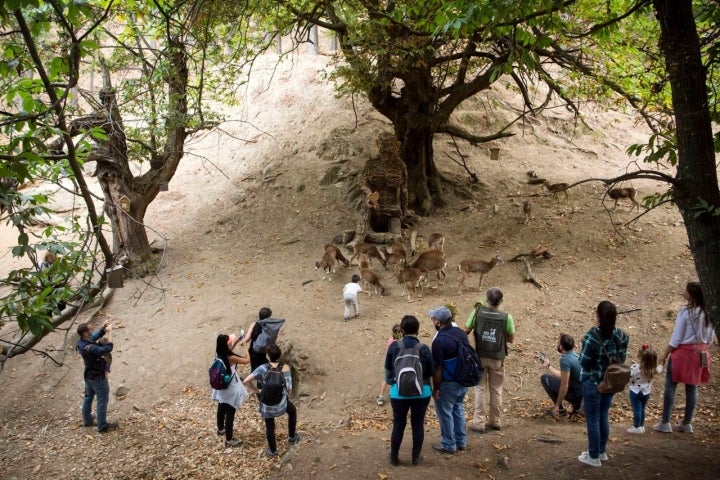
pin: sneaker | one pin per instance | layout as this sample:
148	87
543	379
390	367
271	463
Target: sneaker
663	427
497	428
603	456
476	428
440	449
584	457
269	453
684	427
233	442
380	400
295	439
357	315
221	432
346	318
636	430
109	428
394	460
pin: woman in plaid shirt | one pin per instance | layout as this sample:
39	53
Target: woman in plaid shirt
593	362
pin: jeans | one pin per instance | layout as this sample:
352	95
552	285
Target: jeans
638	402
226	419
691	397
551	384
492	380
96	385
451	415
417	408
597	408
270	426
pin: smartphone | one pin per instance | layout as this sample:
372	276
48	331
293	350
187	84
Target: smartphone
703	359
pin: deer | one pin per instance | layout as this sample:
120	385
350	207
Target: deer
482	267
437	242
363	261
556	188
327	262
432	260
338	254
370	250
395	261
624	192
411	278
398	248
368	277
527	211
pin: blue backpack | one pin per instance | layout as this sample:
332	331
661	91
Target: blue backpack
220	376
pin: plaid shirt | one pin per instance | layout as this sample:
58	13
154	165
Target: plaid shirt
593	360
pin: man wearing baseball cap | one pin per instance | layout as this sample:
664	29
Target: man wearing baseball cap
447	392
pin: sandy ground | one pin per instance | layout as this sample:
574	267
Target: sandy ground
242	225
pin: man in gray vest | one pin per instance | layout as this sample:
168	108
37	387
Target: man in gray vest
492	330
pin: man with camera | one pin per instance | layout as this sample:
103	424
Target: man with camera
563	384
94	355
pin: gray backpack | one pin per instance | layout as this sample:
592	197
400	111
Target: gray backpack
408	370
269	330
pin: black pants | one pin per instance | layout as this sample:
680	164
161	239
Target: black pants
417	408
551	384
225	419
270	426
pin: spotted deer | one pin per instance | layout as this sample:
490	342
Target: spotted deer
368	277
624	192
432	260
411	279
482	267
557	188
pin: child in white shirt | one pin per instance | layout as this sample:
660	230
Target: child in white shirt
350	291
641	382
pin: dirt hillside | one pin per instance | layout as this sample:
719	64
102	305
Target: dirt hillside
241	226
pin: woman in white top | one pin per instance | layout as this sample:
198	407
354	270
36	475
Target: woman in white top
230	398
689	361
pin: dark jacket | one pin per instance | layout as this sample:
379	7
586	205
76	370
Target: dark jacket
92	353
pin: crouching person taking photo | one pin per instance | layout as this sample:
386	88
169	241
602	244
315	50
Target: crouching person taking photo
563	384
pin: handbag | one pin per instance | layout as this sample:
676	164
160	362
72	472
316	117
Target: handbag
616	377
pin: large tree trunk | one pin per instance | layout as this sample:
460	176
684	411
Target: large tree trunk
413	121
124	206
126	211
424	193
696	159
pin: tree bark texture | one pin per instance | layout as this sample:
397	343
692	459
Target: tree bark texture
412	116
696	171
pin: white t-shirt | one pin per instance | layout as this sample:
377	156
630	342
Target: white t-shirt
351	289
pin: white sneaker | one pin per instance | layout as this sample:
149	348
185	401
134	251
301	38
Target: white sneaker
685	428
663	427
603	456
584	457
636	430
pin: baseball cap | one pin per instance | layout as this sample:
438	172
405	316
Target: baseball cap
441	314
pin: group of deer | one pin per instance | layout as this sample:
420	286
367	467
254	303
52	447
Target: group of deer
410	274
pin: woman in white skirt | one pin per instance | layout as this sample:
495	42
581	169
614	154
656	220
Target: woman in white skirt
230	398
